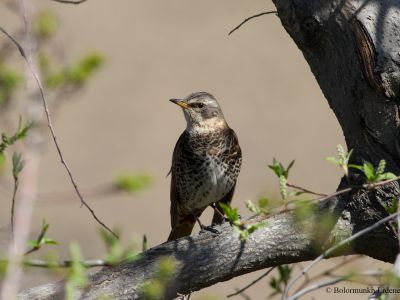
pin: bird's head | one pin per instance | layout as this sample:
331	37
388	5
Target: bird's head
202	112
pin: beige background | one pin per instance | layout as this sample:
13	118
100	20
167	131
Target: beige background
156	50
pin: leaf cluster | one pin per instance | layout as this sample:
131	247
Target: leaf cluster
283	174
133	182
244	230
373	174
155	288
279	283
116	252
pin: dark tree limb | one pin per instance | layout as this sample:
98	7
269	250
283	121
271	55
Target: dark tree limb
352	48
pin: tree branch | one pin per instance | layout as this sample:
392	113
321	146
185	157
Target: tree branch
219	258
70	1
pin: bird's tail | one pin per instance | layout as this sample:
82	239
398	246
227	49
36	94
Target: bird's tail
181	230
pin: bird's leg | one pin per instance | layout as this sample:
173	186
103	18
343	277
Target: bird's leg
218	212
204	228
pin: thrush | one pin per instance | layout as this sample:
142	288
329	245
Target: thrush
205	164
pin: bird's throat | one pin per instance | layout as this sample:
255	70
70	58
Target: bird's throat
207	126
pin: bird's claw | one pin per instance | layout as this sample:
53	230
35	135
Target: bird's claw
209	229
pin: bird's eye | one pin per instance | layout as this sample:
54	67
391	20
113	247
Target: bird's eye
197	105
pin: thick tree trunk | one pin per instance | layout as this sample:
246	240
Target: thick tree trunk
353	49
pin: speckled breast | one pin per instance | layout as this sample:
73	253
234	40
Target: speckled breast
206	168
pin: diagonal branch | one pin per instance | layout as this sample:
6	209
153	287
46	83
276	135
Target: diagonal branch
248	19
52	131
70	1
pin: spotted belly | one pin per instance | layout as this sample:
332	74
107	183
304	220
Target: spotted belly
213	181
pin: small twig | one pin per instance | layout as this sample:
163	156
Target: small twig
70	1
335	247
398	221
251	284
50	125
305	190
91	263
331	282
39	238
367	186
248	19
327	272
144	243
16	183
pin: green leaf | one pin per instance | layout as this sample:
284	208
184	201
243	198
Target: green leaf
154	289
381	167
49	241
133	182
369	171
231	213
288	168
263	203
332	159
76	274
2	161
285	272
279	169
109	239
46	24
387	176
393	208
9	82
17	164
253	227
251	207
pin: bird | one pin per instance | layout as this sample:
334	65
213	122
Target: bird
206	163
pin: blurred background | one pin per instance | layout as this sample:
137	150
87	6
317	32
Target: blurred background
121	120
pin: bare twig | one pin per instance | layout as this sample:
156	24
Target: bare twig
248	19
50	125
15	189
70	1
251	284
336	247
327	272
39	238
367	186
332	282
91	263
305	190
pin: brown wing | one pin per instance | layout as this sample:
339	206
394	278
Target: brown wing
235	157
181	224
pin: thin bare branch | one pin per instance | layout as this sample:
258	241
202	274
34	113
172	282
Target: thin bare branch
367	186
332	282
91	263
50	125
251	283
39	238
328	272
248	19
70	1
305	190
15	189
336	247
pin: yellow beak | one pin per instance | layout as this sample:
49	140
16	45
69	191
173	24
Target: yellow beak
180	102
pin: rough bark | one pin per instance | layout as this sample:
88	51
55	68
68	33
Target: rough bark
352	48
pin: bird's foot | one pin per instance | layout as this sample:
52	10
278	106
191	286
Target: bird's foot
210	229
